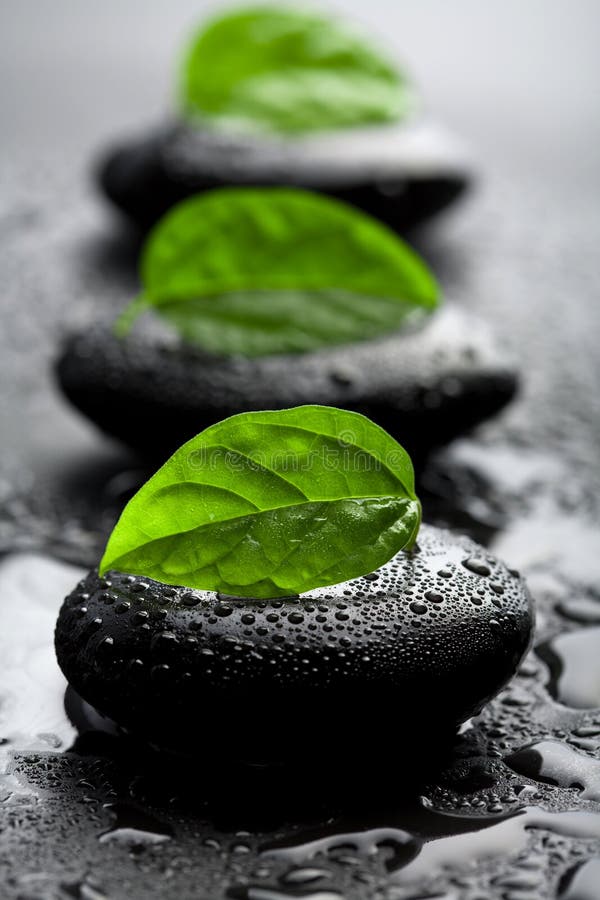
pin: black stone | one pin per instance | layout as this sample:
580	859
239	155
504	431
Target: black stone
424	387
400	174
298	676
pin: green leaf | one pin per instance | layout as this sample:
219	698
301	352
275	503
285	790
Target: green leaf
287	70
268	504
256	271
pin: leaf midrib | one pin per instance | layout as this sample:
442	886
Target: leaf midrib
268	509
259	512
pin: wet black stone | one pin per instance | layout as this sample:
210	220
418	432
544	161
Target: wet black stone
401	174
425	387
256	689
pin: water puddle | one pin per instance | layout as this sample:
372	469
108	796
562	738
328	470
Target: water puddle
265	893
13	789
574	662
583	883
410	845
581	609
546	528
507	838
397	846
32	687
135	828
556	763
438	843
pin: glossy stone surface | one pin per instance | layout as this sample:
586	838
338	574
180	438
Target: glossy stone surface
424	640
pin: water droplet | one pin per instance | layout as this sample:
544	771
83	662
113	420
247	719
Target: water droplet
477	566
556	763
304	875
135	828
418	607
222	610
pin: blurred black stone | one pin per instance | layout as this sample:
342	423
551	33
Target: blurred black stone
402	175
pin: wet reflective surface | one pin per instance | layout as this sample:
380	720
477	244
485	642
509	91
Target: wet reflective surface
510	809
87	813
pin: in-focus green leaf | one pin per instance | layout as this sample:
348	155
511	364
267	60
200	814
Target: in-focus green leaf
256	271
268	504
286	70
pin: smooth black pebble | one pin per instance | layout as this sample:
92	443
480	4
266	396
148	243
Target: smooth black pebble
424	387
401	174
363	667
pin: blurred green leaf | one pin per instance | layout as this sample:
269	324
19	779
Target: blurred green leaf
286	70
255	271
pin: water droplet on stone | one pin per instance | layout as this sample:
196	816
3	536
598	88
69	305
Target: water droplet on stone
477	566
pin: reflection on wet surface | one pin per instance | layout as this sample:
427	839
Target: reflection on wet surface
32	686
582	883
574	661
272	833
559	764
134	828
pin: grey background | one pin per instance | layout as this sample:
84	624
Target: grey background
519	79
